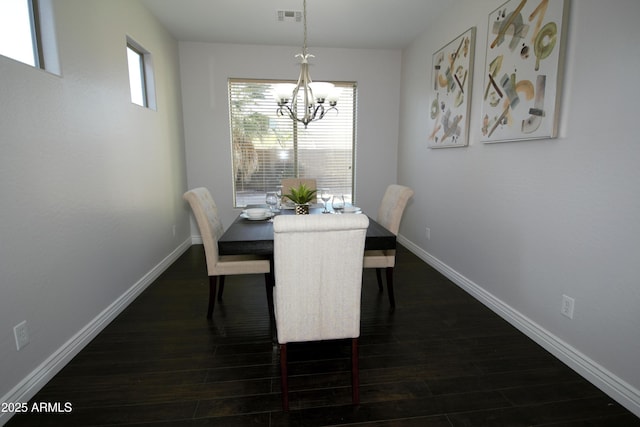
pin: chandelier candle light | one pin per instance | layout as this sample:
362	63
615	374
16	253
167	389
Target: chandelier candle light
315	94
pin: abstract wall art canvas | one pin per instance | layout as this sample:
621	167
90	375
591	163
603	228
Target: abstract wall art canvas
523	70
450	102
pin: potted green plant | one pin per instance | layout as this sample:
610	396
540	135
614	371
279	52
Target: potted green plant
301	196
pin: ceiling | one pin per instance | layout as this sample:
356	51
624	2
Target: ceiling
380	24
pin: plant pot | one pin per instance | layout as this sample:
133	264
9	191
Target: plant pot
302	209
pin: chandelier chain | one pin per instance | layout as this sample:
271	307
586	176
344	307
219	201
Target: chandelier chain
304	22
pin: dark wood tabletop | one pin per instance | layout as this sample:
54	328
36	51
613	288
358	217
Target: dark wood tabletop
256	237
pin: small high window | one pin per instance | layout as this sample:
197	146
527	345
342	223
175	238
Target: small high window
27	33
140	75
19	31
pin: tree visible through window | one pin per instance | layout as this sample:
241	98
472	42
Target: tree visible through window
267	147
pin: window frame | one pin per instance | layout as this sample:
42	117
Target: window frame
141	71
36	34
36	55
297	135
147	81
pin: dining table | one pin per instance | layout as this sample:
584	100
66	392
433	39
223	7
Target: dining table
249	237
255	237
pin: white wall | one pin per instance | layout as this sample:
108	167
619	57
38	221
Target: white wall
205	69
90	185
520	224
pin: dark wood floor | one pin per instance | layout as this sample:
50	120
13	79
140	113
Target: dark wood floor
441	359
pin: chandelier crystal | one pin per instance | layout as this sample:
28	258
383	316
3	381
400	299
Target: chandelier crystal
314	94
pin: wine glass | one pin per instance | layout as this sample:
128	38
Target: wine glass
337	203
272	200
325	196
279	194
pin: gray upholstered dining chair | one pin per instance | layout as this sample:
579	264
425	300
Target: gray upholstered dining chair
318	286
206	214
389	215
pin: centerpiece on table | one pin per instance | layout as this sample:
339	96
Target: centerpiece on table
301	197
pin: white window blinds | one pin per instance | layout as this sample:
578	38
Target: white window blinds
267	147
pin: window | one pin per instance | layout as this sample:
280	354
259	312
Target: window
267	147
136	76
140	75
19	37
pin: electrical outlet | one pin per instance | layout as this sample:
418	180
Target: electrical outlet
568	305
22	334
428	233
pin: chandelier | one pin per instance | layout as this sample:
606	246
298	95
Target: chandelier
314	94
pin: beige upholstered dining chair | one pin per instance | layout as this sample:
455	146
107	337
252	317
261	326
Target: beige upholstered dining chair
389	215
318	286
206	214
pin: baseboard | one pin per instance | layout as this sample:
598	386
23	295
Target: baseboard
30	385
618	389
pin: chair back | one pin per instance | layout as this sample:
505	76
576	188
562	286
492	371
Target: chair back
206	213
318	261
392	206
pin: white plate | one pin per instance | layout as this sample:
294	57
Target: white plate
245	216
259	212
351	209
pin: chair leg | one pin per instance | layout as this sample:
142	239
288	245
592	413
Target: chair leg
270	282
355	372
379	277
283	377
392	298
212	296
221	288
